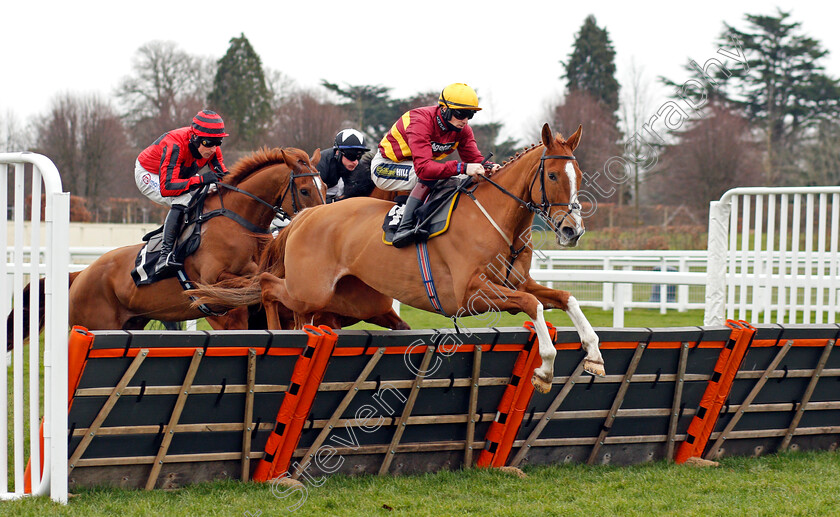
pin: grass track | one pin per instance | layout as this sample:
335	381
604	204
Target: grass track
786	484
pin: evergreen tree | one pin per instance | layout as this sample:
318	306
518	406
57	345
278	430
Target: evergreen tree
486	136
591	65
782	89
240	94
370	107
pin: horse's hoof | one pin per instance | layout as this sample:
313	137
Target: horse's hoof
540	384
595	368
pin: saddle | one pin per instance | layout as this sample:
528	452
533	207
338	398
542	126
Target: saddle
189	240
433	216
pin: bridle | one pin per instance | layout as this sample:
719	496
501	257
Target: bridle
277	209
292	187
542	208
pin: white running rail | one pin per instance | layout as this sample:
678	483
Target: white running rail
43	180
773	253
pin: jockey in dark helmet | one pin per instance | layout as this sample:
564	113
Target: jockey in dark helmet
411	153
168	171
346	170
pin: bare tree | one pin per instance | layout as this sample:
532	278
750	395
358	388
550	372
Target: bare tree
307	121
167	87
714	154
820	156
599	144
635	106
84	137
13	135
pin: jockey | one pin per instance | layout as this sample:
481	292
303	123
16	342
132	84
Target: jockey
346	169
167	172
409	156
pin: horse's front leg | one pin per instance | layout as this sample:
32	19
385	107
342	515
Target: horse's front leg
553	298
483	296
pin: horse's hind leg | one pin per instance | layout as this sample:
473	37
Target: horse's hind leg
279	305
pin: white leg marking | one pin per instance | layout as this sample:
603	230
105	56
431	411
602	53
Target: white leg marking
545	373
588	338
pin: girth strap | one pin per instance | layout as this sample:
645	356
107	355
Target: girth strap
426	274
186	284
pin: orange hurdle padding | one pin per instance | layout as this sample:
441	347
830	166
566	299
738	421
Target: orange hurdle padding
496	431
718	389
316	374
524	392
79	343
495	439
287	407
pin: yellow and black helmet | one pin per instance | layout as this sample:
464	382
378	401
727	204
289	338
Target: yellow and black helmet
459	96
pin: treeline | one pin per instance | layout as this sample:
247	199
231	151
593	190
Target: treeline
758	110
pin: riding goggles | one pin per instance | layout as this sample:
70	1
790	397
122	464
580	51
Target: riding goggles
462	114
353	154
211	142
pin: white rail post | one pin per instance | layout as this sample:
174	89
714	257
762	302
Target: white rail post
55	268
719	212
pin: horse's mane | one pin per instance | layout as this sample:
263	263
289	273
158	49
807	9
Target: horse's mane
520	154
254	162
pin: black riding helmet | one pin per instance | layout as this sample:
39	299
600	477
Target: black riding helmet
350	143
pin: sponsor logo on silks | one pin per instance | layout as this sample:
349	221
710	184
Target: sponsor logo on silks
393	171
437	147
151	180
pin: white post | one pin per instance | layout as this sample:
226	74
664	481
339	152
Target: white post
55	369
716	262
618	305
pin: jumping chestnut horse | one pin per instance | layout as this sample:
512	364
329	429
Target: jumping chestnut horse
104	296
478	265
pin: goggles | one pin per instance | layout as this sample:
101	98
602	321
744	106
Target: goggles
210	142
353	154
462	114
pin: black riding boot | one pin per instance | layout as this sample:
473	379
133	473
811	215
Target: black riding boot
406	233
171	231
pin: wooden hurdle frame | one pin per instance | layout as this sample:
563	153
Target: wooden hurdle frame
155	410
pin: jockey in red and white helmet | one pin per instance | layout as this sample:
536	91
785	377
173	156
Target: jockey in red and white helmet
168	171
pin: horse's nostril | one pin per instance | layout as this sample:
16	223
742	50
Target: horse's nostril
568	232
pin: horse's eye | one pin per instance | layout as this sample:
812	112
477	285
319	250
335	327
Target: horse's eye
552	176
304	191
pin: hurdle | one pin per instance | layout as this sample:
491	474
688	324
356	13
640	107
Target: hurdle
163	410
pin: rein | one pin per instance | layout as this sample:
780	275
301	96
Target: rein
277	209
542	209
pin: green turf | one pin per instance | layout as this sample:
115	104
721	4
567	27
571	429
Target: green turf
784	484
597	318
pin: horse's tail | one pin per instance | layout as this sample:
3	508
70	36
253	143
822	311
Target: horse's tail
274	255
10	319
227	294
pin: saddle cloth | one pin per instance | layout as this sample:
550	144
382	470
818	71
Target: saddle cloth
189	240
433	215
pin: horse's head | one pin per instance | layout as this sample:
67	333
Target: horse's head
305	186
556	184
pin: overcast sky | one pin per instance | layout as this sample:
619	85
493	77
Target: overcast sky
509	51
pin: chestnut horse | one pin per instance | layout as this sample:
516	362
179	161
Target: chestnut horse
104	296
348	271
